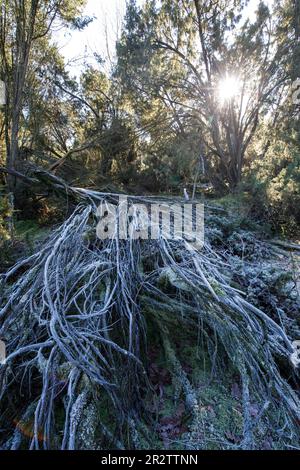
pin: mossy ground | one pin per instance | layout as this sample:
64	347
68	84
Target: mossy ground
26	236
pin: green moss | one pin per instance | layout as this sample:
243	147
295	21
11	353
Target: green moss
217	288
29	230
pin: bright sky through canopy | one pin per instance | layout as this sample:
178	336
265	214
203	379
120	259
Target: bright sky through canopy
98	37
78	47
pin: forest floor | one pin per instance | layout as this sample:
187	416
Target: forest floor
268	275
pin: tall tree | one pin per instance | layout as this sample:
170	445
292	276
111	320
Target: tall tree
231	70
22	24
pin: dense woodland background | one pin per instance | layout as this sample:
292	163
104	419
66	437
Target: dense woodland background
156	122
193	353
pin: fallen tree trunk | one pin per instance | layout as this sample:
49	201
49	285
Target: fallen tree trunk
286	245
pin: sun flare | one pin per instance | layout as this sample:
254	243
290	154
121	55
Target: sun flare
228	88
